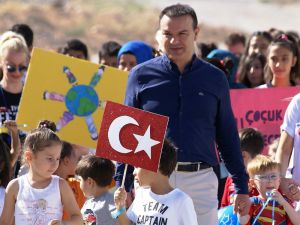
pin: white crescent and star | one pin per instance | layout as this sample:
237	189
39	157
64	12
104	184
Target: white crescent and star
145	142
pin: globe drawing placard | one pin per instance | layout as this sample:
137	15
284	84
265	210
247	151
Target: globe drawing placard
70	92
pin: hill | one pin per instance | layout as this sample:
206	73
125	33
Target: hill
92	21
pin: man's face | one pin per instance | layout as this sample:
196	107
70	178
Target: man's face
178	37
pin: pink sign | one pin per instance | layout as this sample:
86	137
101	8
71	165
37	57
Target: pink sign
262	109
132	136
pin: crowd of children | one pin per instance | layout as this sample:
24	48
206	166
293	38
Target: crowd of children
62	183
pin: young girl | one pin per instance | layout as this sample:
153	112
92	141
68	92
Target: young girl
282	63
133	53
5	171
252	71
258	43
38	197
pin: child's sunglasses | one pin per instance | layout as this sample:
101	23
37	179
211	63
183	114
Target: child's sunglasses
12	69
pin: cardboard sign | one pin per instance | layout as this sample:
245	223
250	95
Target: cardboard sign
262	109
132	136
70	92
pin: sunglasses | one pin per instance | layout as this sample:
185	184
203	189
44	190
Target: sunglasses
12	69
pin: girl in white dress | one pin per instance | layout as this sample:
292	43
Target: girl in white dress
38	197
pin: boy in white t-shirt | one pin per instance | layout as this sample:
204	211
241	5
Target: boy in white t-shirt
156	202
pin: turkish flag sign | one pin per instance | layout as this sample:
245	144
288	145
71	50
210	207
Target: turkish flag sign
131	136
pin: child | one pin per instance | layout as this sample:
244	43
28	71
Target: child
258	43
236	44
108	53
26	31
69	159
225	56
252	144
133	53
42	124
156	202
95	176
75	48
252	70
265	177
282	63
5	171
38	197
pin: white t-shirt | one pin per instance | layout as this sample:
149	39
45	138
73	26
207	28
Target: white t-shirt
291	124
2	196
174	208
37	206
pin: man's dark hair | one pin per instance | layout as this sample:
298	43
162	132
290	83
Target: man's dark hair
252	141
110	48
168	159
180	10
99	169
25	31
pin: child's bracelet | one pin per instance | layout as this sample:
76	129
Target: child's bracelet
118	213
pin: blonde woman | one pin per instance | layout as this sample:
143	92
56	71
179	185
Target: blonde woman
13	62
14	57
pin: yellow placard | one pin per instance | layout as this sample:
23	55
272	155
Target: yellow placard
70	92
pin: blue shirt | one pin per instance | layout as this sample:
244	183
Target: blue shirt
198	105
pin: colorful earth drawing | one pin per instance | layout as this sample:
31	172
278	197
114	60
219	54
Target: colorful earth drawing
82	100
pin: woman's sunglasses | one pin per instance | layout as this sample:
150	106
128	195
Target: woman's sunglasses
12	69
